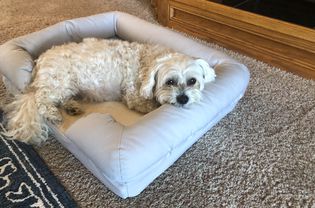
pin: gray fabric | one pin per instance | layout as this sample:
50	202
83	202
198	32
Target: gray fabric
139	30
16	65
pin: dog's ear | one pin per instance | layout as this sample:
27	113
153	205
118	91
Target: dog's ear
148	82
208	72
148	73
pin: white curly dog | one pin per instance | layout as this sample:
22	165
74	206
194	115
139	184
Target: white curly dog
142	76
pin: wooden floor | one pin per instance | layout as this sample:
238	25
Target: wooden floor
288	46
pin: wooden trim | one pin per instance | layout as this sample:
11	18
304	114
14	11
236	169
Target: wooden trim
162	11
288	46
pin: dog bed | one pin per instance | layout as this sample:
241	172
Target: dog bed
122	148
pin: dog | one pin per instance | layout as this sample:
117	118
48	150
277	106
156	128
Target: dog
142	76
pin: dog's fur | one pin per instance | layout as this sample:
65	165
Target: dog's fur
142	76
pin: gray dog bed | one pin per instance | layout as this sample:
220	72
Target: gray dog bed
122	148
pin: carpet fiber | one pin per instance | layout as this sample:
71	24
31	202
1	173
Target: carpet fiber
261	155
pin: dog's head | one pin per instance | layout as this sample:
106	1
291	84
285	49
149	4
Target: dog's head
176	79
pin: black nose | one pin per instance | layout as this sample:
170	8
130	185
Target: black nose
182	99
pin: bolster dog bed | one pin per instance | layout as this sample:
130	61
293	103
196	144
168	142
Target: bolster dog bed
124	149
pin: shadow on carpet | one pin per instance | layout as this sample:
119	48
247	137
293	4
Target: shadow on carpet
25	180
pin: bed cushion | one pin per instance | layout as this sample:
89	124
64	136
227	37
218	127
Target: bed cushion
124	149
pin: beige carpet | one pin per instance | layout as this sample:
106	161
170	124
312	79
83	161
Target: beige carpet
260	155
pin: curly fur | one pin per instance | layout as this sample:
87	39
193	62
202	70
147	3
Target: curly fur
104	70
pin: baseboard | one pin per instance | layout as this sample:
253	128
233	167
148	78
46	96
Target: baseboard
285	45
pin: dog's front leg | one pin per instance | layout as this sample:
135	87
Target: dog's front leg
140	104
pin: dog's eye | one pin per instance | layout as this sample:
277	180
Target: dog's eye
171	82
191	81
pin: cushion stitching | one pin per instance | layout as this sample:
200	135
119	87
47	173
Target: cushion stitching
119	158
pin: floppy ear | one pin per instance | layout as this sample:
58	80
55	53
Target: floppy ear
148	73
148	81
208	72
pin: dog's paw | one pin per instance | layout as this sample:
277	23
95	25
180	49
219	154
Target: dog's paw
73	111
72	108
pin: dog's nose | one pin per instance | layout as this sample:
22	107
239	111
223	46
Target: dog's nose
182	99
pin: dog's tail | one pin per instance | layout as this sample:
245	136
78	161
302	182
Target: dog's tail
24	122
